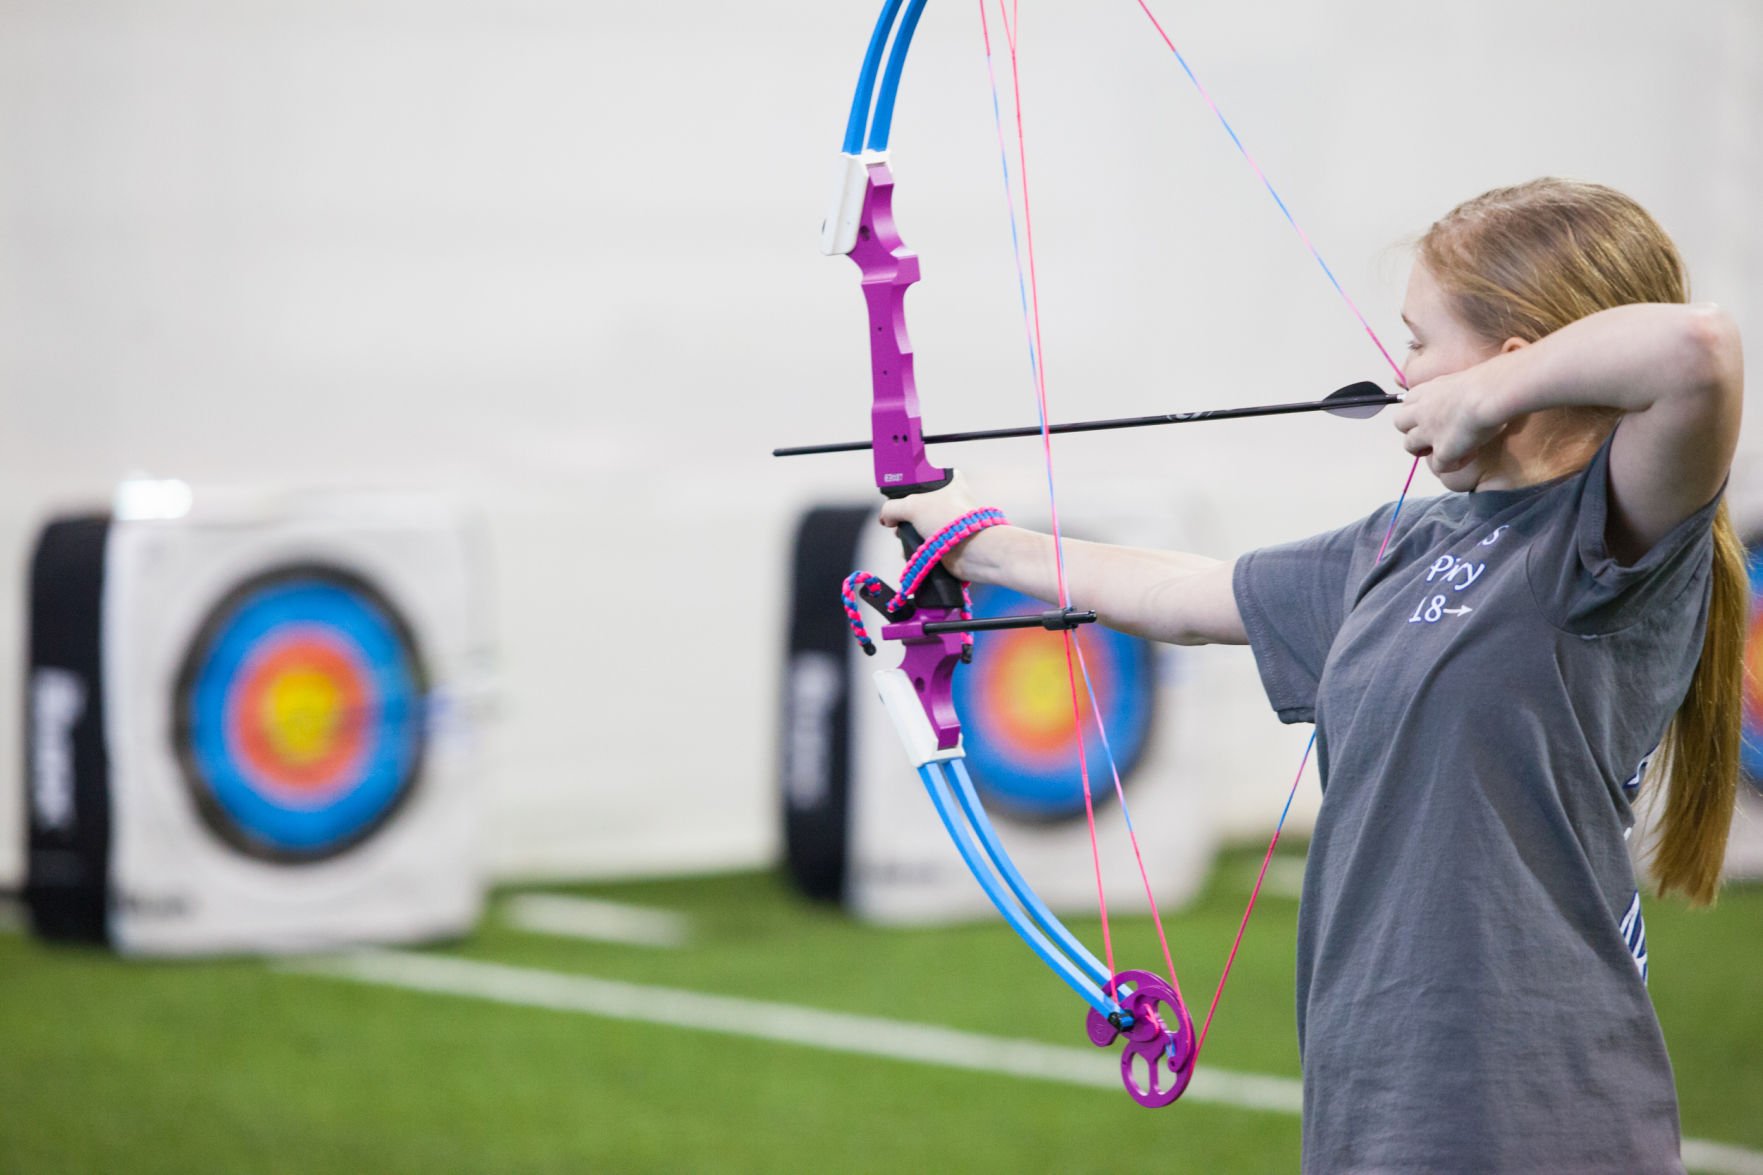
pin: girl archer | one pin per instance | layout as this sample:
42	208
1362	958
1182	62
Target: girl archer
1495	676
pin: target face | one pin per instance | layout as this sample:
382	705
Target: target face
1753	745
1016	714
299	716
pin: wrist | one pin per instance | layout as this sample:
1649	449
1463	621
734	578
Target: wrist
940	547
1512	391
987	556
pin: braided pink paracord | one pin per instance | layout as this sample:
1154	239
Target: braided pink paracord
929	555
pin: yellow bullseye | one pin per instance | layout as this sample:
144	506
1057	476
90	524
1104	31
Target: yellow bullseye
1036	711
301	712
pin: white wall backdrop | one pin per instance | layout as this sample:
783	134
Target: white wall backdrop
560	258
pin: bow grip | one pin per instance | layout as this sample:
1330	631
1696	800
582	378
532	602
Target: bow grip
940	589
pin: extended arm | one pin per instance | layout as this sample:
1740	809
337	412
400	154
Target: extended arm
1160	595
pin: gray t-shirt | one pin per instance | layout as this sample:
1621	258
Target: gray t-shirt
1471	957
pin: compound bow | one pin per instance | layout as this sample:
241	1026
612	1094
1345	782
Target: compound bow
929	616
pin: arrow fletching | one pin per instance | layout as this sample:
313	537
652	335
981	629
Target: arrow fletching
1362	391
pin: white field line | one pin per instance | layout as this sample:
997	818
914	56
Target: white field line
1719	1159
598	921
870	1036
1285	878
840	1032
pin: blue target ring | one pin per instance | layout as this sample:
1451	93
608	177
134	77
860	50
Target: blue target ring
1016	714
300	714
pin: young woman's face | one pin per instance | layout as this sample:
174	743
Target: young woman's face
1439	343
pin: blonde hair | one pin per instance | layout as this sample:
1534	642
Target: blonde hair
1523	262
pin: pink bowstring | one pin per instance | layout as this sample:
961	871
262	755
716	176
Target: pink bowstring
1389	532
1126	816
1303	237
1029	290
1254	896
1279	827
1243	150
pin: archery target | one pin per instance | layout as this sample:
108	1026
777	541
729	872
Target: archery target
281	693
299	714
1753	738
1015	699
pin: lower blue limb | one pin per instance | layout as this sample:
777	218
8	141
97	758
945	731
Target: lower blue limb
1037	909
936	783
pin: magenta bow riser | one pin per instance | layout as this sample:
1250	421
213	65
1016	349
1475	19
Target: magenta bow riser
889	269
922	693
918	696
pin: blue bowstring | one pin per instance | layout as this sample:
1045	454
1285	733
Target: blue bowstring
1278	200
1034	367
1041	414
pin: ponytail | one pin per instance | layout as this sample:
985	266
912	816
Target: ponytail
1698	763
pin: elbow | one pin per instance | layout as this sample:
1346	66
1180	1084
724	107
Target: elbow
1713	356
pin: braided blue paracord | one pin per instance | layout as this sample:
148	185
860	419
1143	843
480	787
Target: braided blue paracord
859	583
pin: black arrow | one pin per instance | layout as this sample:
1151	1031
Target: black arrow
1358	401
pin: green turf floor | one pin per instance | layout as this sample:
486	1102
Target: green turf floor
113	1066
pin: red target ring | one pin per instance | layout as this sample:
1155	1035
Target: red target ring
301	707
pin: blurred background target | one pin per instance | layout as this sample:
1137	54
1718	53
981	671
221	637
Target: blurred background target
299	714
1753	746
1015	703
